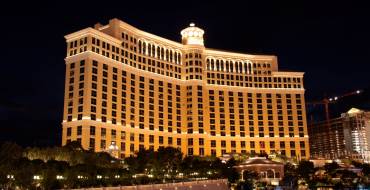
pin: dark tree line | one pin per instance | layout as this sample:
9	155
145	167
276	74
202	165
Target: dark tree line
73	167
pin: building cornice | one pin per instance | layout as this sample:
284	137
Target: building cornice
148	35
234	55
287	74
91	31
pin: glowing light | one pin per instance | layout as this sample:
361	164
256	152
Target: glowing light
358	91
80	177
36	177
192	24
98	176
335	98
60	177
9	176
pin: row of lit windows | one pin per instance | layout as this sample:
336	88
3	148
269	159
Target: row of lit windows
159	52
190	141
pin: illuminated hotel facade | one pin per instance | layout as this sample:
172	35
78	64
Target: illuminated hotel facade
342	137
127	90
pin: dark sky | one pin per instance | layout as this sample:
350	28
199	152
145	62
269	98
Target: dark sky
329	42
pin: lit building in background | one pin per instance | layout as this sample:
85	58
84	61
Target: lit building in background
131	90
345	137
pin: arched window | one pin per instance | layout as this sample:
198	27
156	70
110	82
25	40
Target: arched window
150	49
227	66
240	67
212	65
144	48
236	67
222	65
231	66
217	65
167	55
153	50
175	57
139	46
179	57
162	53
171	58
158	52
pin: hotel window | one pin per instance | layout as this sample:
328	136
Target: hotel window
92	130
190	142
103	132
151	138
141	137
282	144
201	141
92	143
69	131
132	137
102	144
79	130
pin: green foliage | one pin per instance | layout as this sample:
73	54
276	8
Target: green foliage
366	169
331	167
290	175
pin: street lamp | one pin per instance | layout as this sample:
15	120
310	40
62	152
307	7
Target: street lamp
113	149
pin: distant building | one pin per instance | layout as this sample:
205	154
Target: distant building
346	136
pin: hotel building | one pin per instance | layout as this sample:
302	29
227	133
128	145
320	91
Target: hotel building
347	136
127	89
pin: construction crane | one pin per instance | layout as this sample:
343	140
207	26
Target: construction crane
326	101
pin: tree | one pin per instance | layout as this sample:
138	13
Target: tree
74	146
305	169
331	168
366	169
290	175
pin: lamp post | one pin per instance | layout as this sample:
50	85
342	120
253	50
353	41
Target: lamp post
113	149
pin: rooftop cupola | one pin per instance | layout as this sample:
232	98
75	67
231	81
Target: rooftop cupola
192	35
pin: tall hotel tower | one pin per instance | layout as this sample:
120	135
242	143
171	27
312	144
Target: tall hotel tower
127	90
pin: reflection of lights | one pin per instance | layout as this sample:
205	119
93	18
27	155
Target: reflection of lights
60	177
113	146
36	177
80	177
194	173
9	176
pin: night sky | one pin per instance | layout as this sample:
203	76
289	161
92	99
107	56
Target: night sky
329	42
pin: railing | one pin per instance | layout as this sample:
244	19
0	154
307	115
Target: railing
193	184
